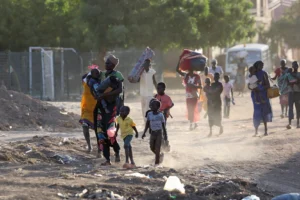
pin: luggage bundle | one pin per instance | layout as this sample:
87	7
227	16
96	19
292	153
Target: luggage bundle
138	69
192	60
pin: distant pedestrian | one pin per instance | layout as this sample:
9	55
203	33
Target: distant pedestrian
280	75
147	85
262	111
192	83
227	96
240	79
214	103
294	94
215	68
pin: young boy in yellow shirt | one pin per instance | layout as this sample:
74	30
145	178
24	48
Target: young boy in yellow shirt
127	126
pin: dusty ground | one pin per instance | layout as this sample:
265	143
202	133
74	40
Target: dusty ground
20	112
272	162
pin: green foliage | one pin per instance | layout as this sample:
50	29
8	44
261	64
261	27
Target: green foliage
107	24
288	27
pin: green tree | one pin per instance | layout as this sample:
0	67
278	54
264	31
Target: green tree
107	24
41	23
168	23
287	28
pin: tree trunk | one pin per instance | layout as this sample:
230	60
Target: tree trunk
101	57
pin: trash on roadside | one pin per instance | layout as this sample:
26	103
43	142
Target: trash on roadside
139	175
290	196
66	141
63	112
62	195
104	194
252	197
115	196
173	184
99	175
82	193
63	159
29	150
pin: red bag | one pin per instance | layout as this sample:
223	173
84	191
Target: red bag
192	60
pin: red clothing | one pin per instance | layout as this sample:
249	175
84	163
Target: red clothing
278	72
191	79
165	100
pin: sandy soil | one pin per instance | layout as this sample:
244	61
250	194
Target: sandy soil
20	112
272	162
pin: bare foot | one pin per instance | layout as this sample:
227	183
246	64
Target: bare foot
132	166
288	126
126	166
266	134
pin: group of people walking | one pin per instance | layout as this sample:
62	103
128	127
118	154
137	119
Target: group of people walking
288	80
104	111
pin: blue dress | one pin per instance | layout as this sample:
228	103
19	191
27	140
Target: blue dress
262	111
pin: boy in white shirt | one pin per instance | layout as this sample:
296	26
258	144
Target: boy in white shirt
228	96
147	86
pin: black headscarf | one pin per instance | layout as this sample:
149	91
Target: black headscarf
257	63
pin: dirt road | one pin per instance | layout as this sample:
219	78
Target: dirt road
272	161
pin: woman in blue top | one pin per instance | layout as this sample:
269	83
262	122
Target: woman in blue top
262	110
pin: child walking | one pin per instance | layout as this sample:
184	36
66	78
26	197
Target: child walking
228	96
156	122
166	105
127	126
214	103
165	100
253	85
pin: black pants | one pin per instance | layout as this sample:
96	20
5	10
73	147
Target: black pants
106	149
155	144
294	98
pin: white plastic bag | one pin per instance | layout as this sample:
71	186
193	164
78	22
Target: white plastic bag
173	184
139	175
252	197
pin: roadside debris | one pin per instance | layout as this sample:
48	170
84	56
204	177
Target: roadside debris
173	184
